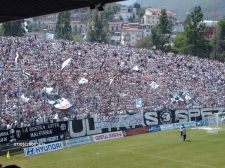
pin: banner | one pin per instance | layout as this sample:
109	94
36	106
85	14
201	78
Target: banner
5	136
30	151
163	117
107	136
135	131
166	127
77	141
186	124
154	128
177	125
159	117
40	131
119	121
202	123
48	139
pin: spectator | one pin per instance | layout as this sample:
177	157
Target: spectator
114	78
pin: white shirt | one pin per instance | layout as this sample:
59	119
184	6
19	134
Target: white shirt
181	128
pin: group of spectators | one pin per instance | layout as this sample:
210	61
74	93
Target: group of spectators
115	79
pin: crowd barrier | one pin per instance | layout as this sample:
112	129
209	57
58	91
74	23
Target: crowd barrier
88	130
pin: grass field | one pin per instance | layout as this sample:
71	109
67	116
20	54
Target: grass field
152	150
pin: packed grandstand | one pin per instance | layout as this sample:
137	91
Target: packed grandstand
100	79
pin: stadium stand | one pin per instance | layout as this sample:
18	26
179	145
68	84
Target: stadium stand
115	79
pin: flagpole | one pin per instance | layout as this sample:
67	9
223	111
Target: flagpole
6	105
20	73
1	100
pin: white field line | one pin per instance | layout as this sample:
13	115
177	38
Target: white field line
174	160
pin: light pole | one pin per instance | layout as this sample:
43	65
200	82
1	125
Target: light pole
45	33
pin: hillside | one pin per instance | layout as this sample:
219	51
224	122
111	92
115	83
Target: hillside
209	7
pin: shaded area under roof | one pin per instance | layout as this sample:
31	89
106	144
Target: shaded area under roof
20	9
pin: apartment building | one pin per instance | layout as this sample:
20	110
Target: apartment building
125	13
133	32
151	16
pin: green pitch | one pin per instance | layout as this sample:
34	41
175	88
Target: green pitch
152	150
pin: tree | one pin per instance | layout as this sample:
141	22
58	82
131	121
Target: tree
180	43
144	43
155	37
63	26
1	30
218	42
97	28
161	33
196	44
110	10
14	28
139	9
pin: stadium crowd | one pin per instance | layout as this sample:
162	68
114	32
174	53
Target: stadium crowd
100	79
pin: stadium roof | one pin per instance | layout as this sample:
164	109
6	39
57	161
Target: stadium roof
20	9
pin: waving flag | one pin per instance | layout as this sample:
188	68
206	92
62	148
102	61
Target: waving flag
65	63
154	85
83	81
24	99
136	68
58	101
62	104
48	89
16	59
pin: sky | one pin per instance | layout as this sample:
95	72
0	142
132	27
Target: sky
128	2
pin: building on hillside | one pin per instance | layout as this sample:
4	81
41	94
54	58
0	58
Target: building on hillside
130	36
43	22
126	13
210	27
115	26
151	16
133	32
178	27
78	27
115	29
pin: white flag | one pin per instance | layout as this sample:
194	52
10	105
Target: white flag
188	97
25	74
16	59
24	99
65	63
138	102
62	104
154	85
83	81
136	68
110	81
48	89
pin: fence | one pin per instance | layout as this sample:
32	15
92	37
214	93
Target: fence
58	135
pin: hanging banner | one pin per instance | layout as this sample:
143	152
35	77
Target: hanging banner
30	151
120	121
107	136
5	136
41	131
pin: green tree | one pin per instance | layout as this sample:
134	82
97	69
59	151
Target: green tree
196	44
144	43
77	38
161	33
155	37
110	10
180	43
1	30
218	42
97	28
63	26
14	28
140	10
